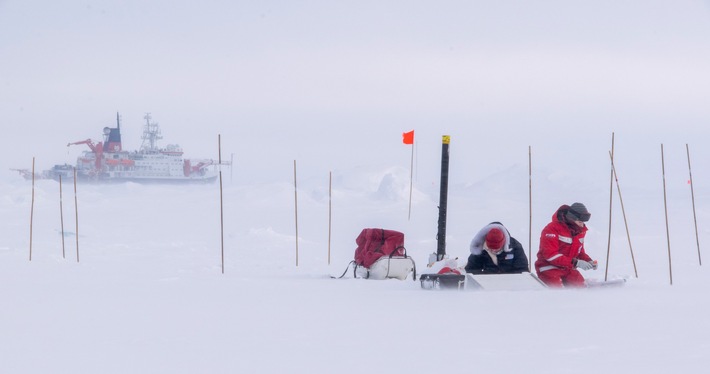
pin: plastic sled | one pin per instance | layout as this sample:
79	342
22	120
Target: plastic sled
388	267
503	282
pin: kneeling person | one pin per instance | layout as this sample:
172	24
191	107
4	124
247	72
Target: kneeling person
494	251
562	248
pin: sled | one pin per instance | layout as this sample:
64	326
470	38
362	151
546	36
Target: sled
443	281
503	282
594	283
478	282
385	267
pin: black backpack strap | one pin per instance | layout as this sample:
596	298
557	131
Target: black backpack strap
346	270
414	271
382	242
397	249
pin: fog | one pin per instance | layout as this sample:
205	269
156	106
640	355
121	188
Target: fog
334	85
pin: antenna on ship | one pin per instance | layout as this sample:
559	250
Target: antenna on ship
151	134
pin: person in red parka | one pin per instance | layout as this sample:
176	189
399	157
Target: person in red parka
562	248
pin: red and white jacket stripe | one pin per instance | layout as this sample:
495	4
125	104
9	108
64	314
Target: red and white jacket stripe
559	245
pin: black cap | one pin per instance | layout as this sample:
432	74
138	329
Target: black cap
578	212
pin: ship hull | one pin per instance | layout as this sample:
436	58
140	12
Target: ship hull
147	180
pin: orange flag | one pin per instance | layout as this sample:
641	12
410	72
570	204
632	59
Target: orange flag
408	137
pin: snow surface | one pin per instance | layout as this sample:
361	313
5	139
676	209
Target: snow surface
148	294
333	85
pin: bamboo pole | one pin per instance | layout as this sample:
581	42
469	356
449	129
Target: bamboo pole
665	206
61	216
295	196
692	195
32	205
611	195
221	199
76	217
330	209
530	261
623	212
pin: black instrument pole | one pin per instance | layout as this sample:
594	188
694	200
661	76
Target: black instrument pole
443	194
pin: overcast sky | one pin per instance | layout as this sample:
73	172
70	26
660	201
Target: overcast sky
335	83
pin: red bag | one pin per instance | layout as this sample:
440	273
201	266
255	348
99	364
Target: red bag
375	243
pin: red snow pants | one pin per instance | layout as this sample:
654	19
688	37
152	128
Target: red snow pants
562	278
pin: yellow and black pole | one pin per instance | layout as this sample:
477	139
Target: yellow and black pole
443	196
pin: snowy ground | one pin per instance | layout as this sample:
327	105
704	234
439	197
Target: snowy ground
333	85
148	294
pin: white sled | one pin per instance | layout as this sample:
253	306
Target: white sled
593	283
503	282
388	267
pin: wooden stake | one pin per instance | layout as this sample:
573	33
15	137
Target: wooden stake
61	216
76	217
295	195
330	209
530	261
32	206
221	200
665	206
692	194
611	195
623	212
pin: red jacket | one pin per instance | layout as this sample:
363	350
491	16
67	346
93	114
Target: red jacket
560	243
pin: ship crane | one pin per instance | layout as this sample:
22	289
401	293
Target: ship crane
97	149
201	165
198	168
88	142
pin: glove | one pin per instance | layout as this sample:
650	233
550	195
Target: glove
584	265
595	265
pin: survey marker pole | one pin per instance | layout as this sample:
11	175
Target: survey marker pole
443	196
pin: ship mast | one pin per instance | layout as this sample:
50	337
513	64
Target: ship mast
151	135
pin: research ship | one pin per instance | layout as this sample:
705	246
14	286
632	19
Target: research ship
106	161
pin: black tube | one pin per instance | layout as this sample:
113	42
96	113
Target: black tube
443	194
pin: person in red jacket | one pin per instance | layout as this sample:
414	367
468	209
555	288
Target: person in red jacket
562	248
